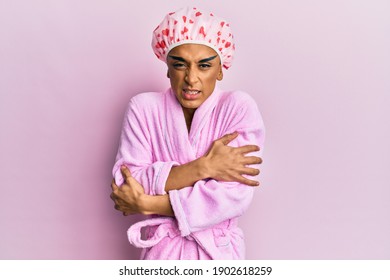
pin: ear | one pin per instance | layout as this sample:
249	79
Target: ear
220	74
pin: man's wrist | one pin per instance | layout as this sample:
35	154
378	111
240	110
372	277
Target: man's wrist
155	204
202	167
144	204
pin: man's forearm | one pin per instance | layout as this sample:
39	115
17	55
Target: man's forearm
157	204
186	175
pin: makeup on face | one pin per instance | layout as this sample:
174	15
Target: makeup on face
200	61
193	70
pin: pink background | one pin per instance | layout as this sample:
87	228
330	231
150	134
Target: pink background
319	71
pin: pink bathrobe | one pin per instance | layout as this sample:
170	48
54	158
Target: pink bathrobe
155	138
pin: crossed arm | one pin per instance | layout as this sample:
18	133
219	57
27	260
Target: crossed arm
221	162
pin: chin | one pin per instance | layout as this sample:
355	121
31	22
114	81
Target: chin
191	106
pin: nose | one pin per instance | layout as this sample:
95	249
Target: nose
191	76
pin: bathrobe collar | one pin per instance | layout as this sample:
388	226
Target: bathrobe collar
176	122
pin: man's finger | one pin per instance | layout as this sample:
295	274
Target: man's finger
248	148
112	196
227	138
248	182
125	172
251	171
252	160
114	187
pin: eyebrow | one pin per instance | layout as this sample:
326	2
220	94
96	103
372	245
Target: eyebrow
200	61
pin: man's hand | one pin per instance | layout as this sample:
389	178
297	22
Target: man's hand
225	163
128	197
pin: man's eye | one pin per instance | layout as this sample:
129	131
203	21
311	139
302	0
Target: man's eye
204	66
178	65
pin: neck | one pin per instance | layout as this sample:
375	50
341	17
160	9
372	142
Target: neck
188	116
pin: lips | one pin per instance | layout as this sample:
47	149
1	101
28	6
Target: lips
191	91
191	94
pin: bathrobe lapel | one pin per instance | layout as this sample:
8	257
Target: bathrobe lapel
184	146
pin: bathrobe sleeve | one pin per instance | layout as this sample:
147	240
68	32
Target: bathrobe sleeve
135	148
210	202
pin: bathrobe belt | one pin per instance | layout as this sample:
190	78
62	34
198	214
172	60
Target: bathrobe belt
167	227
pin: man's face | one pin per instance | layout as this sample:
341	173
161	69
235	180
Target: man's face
193	70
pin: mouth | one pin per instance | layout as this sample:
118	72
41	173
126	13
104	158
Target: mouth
191	94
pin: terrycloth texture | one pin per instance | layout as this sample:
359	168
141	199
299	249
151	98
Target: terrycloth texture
155	138
190	25
224	241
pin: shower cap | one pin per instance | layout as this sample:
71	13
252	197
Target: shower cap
192	26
